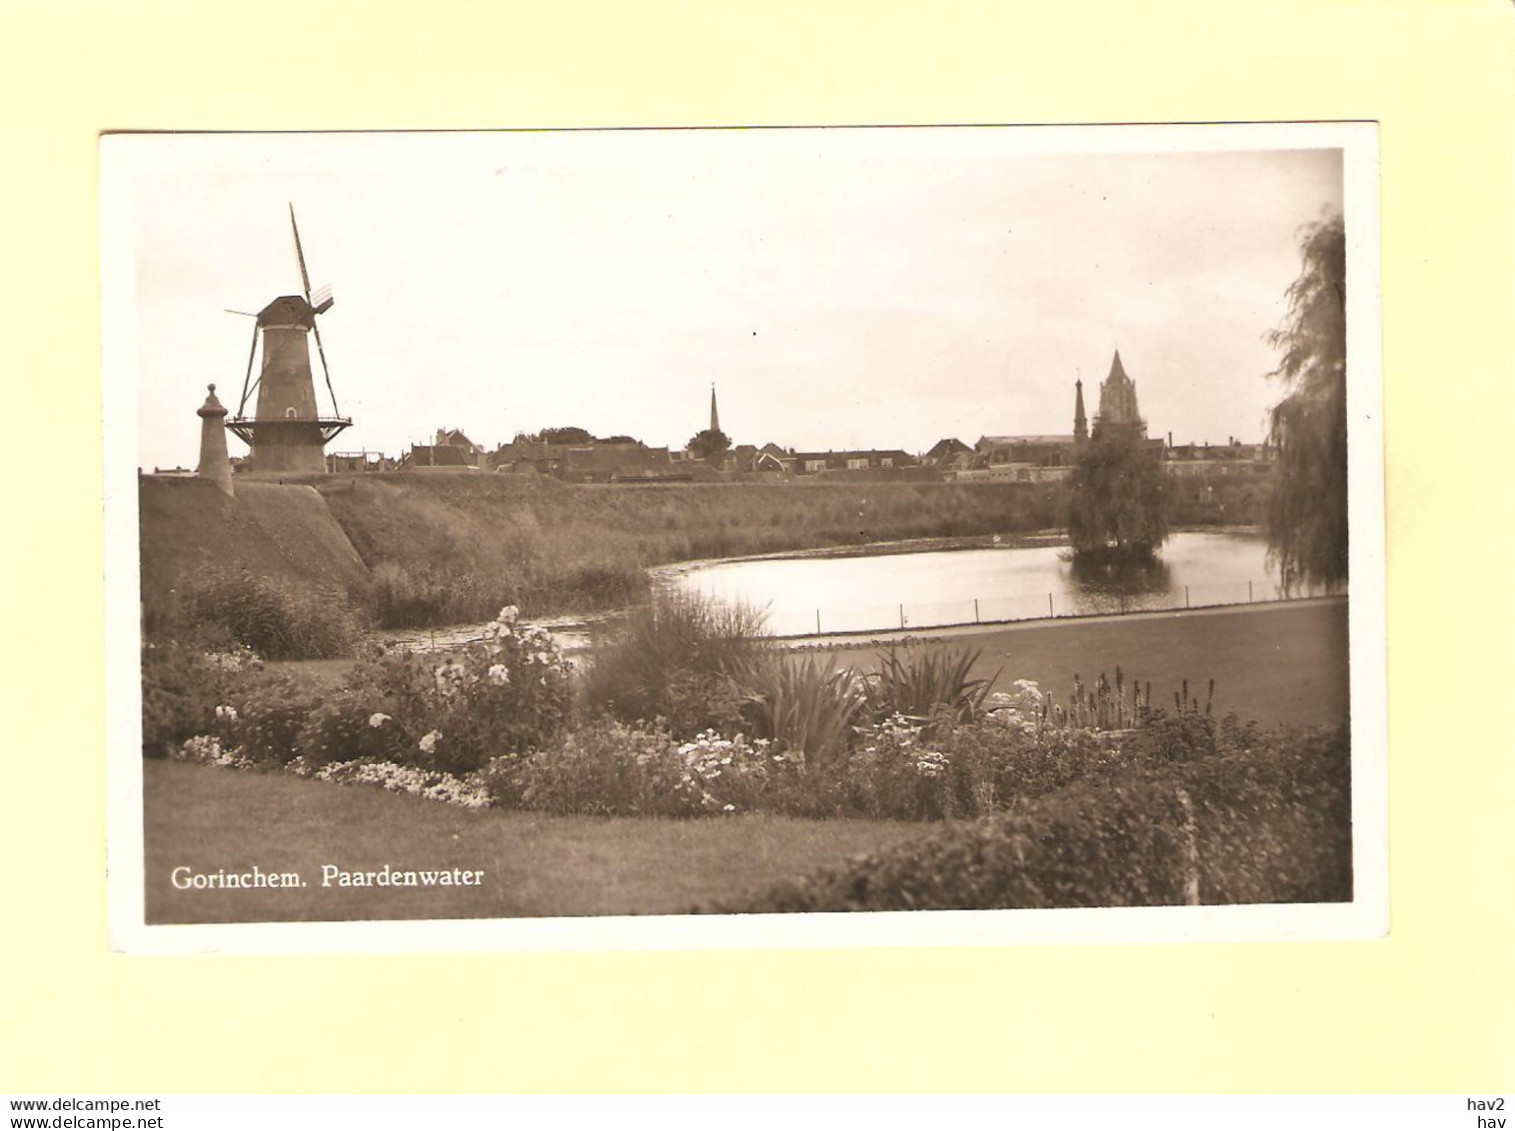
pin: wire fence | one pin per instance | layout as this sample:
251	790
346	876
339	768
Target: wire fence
794	620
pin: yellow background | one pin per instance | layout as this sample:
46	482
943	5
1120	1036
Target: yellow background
1429	1008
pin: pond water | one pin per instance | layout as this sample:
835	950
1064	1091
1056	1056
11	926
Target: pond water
918	590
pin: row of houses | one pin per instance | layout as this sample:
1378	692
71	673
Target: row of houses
1023	459
572	454
619	460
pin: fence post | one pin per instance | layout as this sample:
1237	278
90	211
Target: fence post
975	610
817	622
1189	848
1051	612
1249	592
1186	596
902	616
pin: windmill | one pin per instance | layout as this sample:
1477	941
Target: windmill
287	432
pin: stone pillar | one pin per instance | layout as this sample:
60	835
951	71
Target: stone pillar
215	464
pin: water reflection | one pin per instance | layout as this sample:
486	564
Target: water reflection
1114	578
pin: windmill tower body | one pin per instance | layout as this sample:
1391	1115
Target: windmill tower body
287	433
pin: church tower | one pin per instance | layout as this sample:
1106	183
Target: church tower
1080	422
1117	403
715	417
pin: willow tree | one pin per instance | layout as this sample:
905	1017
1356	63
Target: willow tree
1307	516
1117	498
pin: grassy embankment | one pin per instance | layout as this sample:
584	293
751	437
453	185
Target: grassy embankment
209	819
418	550
189	530
446	549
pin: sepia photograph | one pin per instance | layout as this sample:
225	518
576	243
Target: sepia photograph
733	526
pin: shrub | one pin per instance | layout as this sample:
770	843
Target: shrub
182	685
600	770
278	618
270	717
682	658
1270	824
345	727
896	772
508	693
1021	762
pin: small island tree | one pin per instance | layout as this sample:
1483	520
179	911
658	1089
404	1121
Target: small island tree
710	446
1117	499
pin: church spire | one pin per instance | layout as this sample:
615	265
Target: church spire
1080	421
1117	401
715	417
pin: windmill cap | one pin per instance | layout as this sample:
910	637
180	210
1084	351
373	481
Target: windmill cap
286	310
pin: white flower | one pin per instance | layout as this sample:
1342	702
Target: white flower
229	714
499	675
508	614
377	719
428	741
731	808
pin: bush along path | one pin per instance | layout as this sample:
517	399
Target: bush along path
1271	824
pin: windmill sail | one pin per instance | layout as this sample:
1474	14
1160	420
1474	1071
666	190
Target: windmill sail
299	253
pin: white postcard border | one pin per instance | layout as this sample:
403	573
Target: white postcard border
1366	916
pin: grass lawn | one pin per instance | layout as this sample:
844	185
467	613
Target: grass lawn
210	819
1281	663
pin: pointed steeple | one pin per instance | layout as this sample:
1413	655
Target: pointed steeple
1117	401
1080	421
715	417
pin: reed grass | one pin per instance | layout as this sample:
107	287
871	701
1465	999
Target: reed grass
683	658
921	684
452	548
808	708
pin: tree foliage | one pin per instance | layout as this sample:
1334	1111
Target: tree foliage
566	435
710	446
1307	519
1117	498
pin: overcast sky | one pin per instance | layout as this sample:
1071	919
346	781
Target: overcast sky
842	288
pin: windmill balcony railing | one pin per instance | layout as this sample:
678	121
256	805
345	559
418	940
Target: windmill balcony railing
244	427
